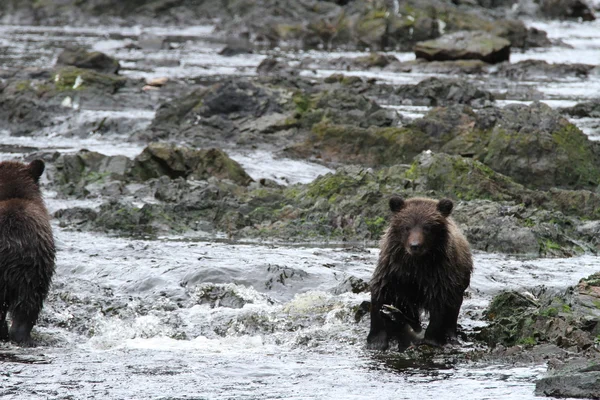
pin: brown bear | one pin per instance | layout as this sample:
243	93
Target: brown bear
27	250
425	264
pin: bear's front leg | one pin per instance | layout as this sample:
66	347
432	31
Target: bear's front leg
3	326
442	325
378	338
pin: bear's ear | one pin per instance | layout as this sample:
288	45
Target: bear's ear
396	203
36	169
444	206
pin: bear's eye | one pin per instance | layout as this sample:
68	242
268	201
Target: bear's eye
406	228
426	228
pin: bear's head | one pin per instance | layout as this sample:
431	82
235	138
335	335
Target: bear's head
20	181
420	225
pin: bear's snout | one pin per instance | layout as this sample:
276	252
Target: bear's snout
415	242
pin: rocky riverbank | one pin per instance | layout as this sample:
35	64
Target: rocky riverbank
469	125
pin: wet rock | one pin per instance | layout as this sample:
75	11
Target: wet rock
81	58
519	35
461	177
566	9
223	295
77	217
374	60
457	67
504	139
274	66
569	320
534	69
465	45
436	92
236	49
73	172
72	78
563	154
217	113
23	115
336	143
159	159
590	109
278	275
351	284
122	217
579	378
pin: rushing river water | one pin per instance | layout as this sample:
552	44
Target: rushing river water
128	319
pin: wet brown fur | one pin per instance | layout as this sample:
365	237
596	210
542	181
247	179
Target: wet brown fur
27	250
432	275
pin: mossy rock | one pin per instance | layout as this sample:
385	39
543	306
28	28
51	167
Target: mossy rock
538	147
159	159
465	45
462	178
94	60
333	143
72	78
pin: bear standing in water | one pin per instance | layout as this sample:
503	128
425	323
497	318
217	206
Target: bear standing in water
425	264
27	250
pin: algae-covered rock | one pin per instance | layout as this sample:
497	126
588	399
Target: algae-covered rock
343	144
79	79
462	178
538	147
73	172
95	60
463	45
532	144
569	320
159	159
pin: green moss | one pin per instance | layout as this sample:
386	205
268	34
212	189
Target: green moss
302	101
375	226
549	312
413	172
579	169
527	341
96	177
550	245
22	86
330	185
65	79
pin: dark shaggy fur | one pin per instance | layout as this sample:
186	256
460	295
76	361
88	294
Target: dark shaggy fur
425	265
26	249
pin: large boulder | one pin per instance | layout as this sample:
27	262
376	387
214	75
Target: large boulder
538	147
95	60
220	112
465	45
533	144
159	159
578	378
